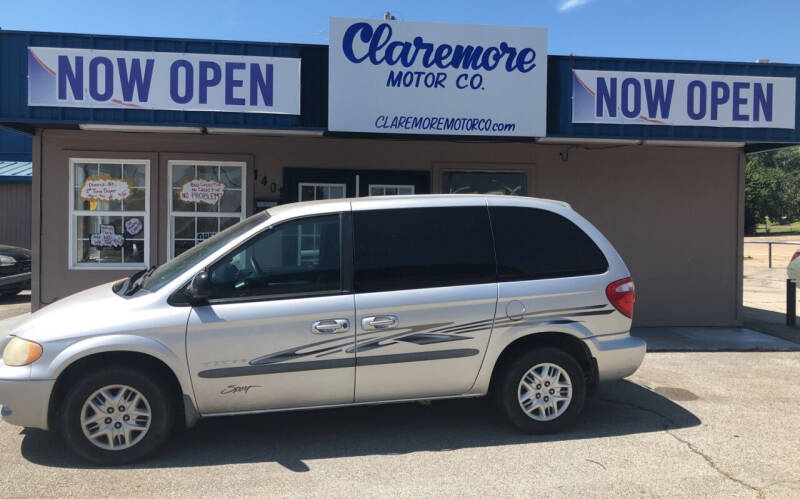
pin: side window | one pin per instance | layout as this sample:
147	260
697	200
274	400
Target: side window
539	244
296	257
422	248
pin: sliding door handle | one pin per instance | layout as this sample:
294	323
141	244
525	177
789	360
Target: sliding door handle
379	322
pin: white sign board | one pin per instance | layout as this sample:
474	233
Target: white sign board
122	79
424	78
681	99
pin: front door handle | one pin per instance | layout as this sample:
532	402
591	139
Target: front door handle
378	322
330	326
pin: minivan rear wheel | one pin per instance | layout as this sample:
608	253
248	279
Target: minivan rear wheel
116	416
542	391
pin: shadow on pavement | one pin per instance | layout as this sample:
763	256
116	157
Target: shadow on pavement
14	299
291	438
770	322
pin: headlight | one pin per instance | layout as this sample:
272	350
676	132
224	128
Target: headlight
21	352
7	261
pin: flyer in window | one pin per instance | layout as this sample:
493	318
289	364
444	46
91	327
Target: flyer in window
200	190
107	237
105	188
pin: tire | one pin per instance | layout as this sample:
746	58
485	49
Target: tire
146	435
512	394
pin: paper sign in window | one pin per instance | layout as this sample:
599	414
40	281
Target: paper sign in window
133	226
202	191
107	237
105	188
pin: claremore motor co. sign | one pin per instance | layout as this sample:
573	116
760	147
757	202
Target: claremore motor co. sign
423	78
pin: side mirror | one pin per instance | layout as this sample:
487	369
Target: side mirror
199	289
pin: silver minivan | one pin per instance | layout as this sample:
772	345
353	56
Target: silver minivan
334	303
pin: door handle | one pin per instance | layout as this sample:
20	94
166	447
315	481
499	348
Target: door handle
330	326
379	322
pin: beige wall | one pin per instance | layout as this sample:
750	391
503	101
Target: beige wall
675	214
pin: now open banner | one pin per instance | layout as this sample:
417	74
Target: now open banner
679	99
65	77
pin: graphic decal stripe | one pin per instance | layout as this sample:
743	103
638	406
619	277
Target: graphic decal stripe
374	360
421	334
430	338
294	353
289	367
314	365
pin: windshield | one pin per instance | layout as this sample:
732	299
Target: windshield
165	273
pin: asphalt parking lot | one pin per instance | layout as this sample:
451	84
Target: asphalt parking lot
15	305
685	425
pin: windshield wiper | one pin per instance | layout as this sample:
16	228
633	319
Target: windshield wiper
136	282
122	286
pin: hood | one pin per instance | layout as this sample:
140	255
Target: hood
96	310
13	251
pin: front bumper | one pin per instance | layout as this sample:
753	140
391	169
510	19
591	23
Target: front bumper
15	279
617	356
25	402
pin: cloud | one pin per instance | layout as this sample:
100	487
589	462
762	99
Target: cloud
565	5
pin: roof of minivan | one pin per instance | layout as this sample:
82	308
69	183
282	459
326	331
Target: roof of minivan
432	197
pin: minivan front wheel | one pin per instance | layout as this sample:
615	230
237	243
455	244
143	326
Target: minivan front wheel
542	391
116	415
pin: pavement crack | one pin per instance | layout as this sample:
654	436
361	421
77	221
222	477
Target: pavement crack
711	462
598	463
687	443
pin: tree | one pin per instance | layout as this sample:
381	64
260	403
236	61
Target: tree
772	187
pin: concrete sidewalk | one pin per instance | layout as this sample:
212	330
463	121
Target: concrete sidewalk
711	339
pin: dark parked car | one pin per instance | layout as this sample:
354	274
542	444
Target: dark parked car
15	269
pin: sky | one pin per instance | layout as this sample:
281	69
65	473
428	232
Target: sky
715	30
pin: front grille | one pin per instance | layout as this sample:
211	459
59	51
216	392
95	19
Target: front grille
26	266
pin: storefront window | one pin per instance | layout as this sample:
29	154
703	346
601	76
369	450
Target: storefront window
206	198
507	183
109	216
390	190
313	191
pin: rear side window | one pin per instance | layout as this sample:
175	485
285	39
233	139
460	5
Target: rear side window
539	244
422	248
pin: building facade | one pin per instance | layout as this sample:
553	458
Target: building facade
121	187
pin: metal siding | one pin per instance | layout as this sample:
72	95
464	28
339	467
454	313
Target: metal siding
14	146
14	93
559	100
15	214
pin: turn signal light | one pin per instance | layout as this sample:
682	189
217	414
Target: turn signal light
622	295
796	254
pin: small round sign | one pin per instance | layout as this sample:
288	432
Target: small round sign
133	226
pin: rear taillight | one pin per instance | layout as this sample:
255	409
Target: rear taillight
796	254
621	294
